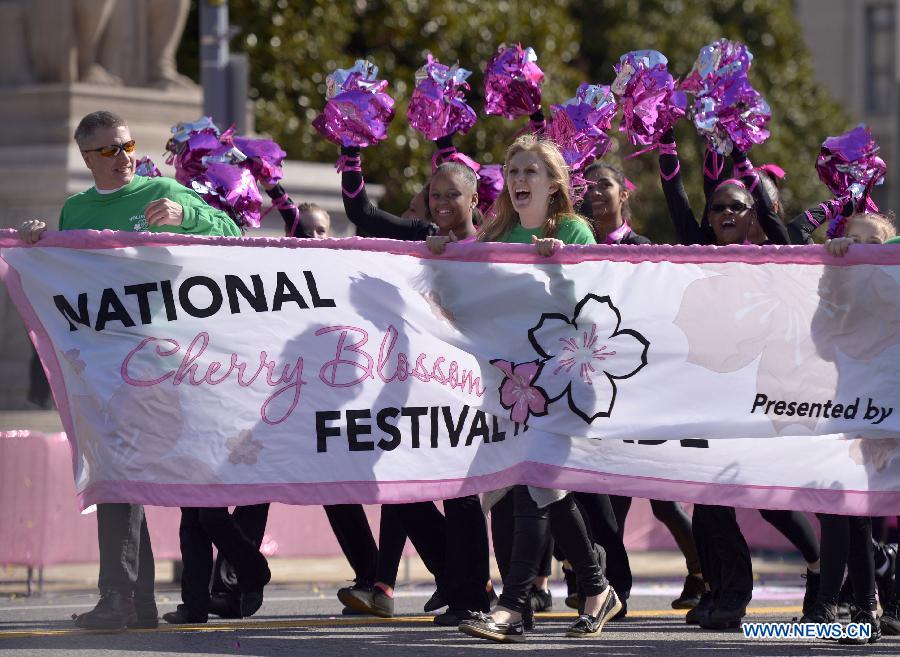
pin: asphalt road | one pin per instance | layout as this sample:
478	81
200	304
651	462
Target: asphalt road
304	620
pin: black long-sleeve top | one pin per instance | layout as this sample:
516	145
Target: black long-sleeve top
293	227
370	220
801	227
686	227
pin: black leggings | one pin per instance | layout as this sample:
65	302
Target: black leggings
531	530
391	541
351	528
723	551
797	529
454	547
847	543
670	514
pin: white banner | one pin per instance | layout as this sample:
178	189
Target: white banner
223	371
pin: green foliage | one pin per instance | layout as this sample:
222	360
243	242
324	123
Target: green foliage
293	44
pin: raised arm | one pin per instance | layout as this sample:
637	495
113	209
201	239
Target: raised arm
363	213
686	227
768	217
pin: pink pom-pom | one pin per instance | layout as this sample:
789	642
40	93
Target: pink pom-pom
512	82
580	124
438	105
145	167
490	185
849	164
264	158
721	59
727	110
357	110
231	189
651	104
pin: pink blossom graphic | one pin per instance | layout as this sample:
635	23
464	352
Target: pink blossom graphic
73	358
877	452
793	319
517	393
243	448
582	358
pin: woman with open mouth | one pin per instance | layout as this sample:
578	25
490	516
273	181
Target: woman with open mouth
535	207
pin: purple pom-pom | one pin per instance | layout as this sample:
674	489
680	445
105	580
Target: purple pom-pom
580	124
264	158
357	110
490	185
438	104
145	167
716	61
650	102
512	82
849	164
727	110
232	190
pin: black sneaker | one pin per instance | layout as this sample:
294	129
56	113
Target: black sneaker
690	593
184	616
367	600
113	611
225	604
571	588
890	619
453	617
868	617
701	611
435	602
820	613
812	590
588	626
146	615
727	611
541	600
482	626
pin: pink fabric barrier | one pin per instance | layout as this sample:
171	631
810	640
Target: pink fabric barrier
40	524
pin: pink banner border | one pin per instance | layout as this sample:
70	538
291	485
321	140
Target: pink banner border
888	254
538	474
849	502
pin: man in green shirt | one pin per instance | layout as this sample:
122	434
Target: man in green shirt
120	200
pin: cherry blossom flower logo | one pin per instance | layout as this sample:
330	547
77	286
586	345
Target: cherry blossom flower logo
793	319
581	360
517	394
73	358
877	452
243	448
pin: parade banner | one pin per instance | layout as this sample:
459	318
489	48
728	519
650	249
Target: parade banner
220	371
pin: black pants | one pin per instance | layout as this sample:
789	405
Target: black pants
200	529
454	548
126	556
797	529
252	520
604	528
847	543
673	516
531	530
723	551
351	528
391	541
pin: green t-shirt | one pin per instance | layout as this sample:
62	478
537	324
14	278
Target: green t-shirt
123	209
571	231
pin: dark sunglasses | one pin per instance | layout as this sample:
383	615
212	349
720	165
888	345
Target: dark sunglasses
113	150
736	208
